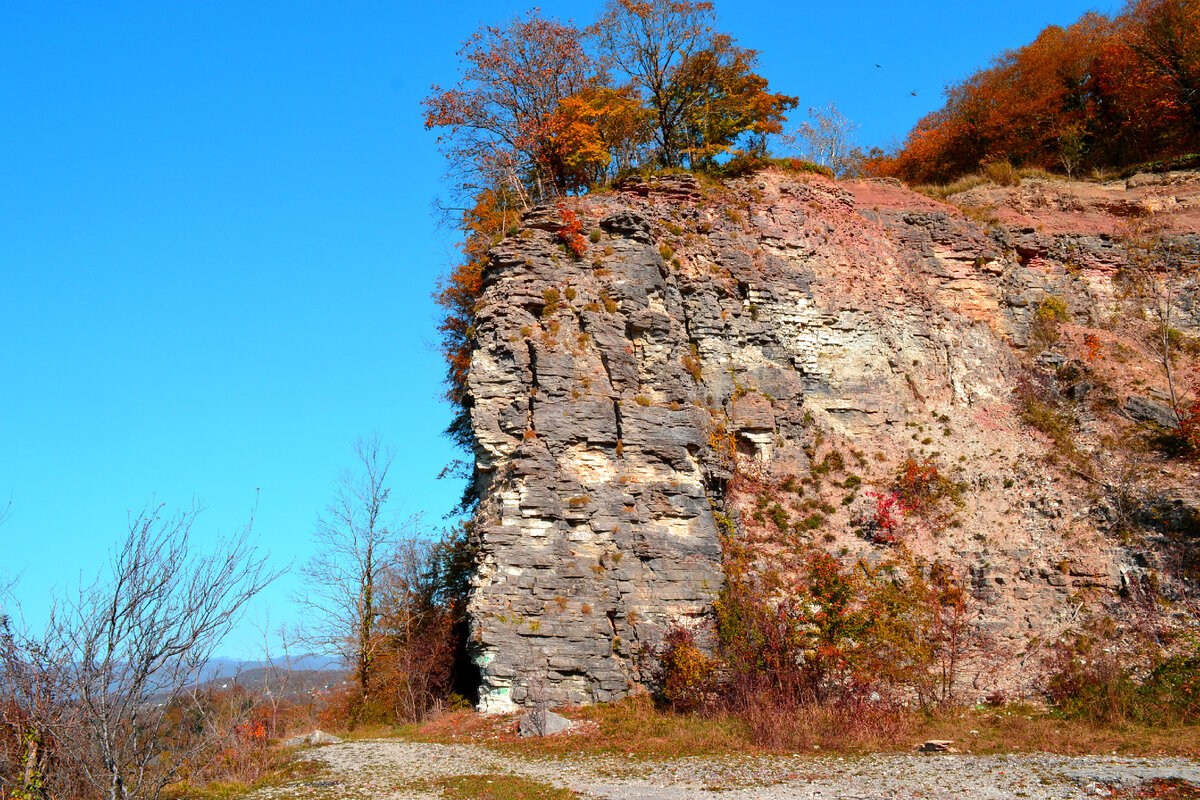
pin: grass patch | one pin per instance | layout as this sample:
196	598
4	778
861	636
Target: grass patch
283	771
946	190
637	727
492	787
1024	729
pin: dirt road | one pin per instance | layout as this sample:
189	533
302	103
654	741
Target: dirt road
414	771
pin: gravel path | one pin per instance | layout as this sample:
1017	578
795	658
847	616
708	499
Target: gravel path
386	769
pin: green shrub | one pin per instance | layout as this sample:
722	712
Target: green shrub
686	673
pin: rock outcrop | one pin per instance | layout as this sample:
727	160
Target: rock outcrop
752	329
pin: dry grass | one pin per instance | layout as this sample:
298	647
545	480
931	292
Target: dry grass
636	727
945	191
374	730
1017	729
633	726
999	173
283	770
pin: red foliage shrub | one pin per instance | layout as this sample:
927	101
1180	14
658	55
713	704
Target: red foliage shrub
1189	422
887	517
571	233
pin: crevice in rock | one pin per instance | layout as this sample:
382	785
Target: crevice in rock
617	413
607	370
533	383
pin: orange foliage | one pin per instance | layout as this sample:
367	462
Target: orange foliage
500	118
599	133
727	100
1102	92
458	291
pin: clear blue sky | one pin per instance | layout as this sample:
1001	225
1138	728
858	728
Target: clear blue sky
217	251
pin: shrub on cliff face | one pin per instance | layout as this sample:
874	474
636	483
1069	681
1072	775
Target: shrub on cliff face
1050	314
1040	405
920	485
823	633
884	521
1189	423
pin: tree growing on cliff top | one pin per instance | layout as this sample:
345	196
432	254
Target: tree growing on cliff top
1166	35
826	138
536	110
500	118
699	86
652	42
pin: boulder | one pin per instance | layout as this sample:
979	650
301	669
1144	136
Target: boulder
1143	409
543	723
628	224
315	738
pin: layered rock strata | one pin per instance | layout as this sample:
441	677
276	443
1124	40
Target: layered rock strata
747	329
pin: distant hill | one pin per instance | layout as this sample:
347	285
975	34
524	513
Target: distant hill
226	667
281	682
296	678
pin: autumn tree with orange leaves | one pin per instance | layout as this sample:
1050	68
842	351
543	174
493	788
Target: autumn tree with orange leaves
499	121
724	100
698	84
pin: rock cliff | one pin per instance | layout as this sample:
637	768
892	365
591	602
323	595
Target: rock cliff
717	342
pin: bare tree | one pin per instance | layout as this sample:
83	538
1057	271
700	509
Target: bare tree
90	696
827	138
355	539
420	608
1156	276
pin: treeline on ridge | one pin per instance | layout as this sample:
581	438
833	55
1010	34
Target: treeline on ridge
1105	92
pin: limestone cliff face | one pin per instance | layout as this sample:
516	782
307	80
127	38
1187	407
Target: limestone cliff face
751	329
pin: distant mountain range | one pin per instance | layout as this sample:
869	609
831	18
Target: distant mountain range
227	667
297	677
